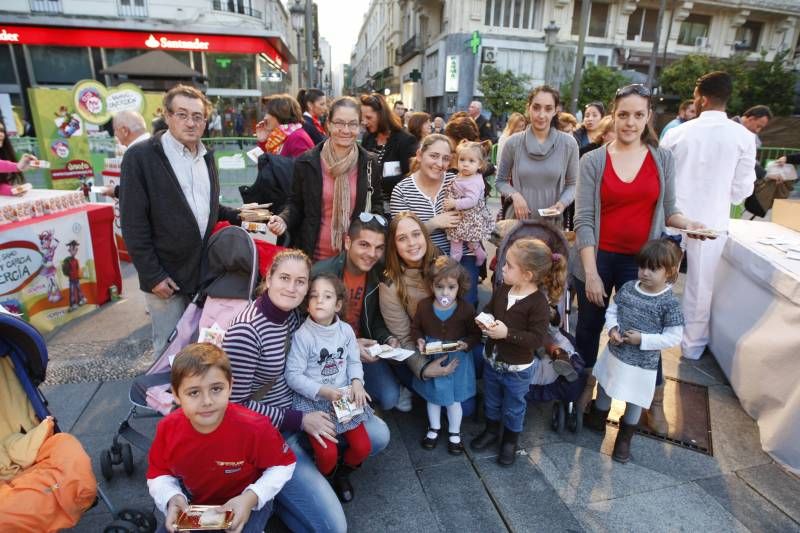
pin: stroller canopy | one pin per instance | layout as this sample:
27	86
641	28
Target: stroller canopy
544	231
232	264
22	339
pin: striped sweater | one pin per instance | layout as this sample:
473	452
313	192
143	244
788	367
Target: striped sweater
406	196
255	344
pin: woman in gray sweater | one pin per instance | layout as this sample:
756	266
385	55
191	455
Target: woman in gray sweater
539	166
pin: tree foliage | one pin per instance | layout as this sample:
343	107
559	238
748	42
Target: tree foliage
763	82
503	92
598	84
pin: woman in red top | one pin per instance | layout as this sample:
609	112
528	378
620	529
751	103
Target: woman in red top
625	197
281	132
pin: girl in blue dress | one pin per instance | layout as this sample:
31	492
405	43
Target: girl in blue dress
446	318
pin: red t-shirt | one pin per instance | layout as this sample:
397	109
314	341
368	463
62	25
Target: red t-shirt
356	289
217	466
626	209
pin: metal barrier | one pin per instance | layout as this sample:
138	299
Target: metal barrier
766	154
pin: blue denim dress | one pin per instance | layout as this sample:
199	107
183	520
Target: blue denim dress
458	386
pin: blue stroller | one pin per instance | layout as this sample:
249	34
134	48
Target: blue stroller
560	391
26	351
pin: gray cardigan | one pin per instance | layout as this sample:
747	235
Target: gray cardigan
587	200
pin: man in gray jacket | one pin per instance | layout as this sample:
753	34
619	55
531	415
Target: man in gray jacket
169	203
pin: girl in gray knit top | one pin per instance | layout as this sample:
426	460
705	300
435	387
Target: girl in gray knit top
644	318
539	166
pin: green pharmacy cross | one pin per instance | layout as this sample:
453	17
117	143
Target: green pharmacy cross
475	42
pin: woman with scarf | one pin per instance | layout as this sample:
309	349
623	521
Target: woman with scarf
281	132
314	104
333	183
542	160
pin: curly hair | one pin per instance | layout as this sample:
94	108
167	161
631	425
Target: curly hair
549	270
445	267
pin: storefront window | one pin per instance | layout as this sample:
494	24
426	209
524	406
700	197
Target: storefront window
118	55
6	66
231	71
60	66
271	80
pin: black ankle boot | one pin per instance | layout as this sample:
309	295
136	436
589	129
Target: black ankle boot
340	480
488	437
508	448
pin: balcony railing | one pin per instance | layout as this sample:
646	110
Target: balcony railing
236	6
409	49
132	8
46	6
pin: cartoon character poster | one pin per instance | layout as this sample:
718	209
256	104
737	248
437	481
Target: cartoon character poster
47	271
67	121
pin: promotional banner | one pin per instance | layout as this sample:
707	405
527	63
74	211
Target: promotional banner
47	270
67	123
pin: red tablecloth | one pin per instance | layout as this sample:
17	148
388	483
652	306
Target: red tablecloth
101	228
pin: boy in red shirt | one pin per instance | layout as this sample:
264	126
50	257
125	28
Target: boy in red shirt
211	452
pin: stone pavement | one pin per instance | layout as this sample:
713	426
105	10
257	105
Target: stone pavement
560	482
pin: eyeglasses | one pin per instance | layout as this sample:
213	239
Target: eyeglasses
366	217
634	88
341	125
185	117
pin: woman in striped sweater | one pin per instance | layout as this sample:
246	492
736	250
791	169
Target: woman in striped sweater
256	344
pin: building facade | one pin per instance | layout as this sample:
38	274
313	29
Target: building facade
241	47
373	57
444	44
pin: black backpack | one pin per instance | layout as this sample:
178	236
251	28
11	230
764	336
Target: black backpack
273	183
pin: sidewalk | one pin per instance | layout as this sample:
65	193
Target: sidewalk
560	482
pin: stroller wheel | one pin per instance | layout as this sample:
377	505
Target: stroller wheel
557	419
106	468
127	458
121	526
575	420
145	522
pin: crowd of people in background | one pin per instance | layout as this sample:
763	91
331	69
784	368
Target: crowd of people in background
385	221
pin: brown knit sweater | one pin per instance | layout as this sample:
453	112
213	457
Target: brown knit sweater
459	327
526	321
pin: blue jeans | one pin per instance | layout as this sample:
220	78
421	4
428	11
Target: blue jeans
381	384
307	502
257	522
615	270
504	395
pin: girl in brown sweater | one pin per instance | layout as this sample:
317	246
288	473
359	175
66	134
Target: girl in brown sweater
446	318
520	313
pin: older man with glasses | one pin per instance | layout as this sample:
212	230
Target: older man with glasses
169	203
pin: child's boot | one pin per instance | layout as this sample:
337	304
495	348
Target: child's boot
488	437
340	479
508	449
654	417
595	419
588	391
622	446
562	364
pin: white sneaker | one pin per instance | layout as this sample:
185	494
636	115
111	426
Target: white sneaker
404	401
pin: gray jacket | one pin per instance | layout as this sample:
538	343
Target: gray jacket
587	200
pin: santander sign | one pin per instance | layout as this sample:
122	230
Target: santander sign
163	42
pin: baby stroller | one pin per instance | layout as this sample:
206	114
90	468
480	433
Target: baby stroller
46	478
545	385
232	267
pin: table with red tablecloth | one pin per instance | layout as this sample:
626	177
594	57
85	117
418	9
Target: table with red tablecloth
56	267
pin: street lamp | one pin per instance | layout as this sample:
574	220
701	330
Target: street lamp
320	68
297	12
551	34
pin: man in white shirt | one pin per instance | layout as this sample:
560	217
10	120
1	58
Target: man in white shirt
169	203
129	129
714	168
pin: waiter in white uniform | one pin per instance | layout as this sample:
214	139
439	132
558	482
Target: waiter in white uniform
714	167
